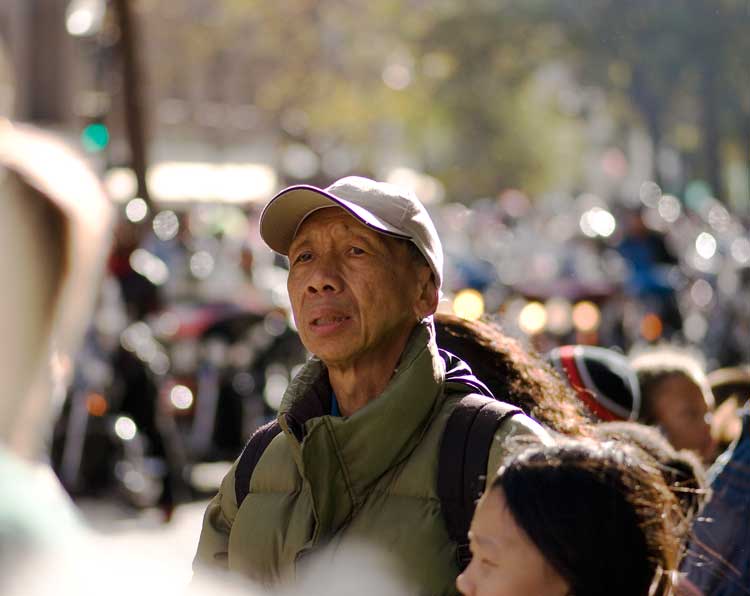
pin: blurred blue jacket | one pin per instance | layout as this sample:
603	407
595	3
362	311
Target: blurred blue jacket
718	561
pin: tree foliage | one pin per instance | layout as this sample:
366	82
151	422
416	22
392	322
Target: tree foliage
473	91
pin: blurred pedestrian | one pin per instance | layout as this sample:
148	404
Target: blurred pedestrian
581	517
650	263
676	397
352	455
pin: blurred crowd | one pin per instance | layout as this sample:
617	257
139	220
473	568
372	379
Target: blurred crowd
145	344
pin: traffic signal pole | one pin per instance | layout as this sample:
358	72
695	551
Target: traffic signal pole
135	121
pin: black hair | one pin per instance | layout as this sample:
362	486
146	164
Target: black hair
682	470
599	513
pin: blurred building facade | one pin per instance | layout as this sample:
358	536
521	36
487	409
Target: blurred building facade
41	58
194	86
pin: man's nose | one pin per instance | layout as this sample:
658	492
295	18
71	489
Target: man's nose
464	584
325	278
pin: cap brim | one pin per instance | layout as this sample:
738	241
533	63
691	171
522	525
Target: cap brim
285	212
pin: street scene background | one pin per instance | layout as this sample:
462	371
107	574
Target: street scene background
586	164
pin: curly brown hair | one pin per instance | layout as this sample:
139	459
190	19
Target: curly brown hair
513	374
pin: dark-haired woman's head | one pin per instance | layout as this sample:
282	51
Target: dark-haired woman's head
580	518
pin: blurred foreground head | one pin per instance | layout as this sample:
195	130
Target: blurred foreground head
54	234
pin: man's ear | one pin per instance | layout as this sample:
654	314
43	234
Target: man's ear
428	296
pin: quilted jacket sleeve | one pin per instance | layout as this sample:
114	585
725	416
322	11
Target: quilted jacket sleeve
213	545
512	435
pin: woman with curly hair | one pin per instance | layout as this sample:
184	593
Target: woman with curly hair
513	374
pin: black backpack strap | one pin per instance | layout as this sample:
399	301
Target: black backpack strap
250	457
462	464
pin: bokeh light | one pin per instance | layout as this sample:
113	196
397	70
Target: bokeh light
277	380
669	208
598	222
533	318
181	397
84	17
559	316
125	428
650	193
166	225
586	316
136	210
695	327
149	266
652	327
468	304
740	250
705	245
702	293
201	264
96	404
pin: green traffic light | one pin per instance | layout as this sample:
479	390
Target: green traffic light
95	137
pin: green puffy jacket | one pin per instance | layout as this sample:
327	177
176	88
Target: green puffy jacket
370	477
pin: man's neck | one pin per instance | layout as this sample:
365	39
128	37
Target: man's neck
357	384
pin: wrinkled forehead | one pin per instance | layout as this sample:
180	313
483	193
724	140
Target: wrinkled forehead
328	219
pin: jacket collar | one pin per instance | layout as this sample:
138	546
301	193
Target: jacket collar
384	431
342	459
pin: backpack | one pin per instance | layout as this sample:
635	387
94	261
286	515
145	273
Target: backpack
462	462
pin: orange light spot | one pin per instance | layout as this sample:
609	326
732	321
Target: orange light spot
651	327
586	316
96	404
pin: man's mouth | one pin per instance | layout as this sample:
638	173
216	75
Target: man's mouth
331	320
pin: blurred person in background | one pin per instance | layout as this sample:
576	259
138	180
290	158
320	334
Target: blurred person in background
53	241
580	517
351	456
513	374
140	295
650	262
676	397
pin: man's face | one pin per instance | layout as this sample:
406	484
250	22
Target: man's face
355	293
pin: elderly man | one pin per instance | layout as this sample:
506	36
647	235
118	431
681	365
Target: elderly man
360	427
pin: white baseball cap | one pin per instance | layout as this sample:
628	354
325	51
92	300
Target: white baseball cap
386	208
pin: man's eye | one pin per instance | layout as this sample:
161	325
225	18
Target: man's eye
356	250
303	257
487	562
